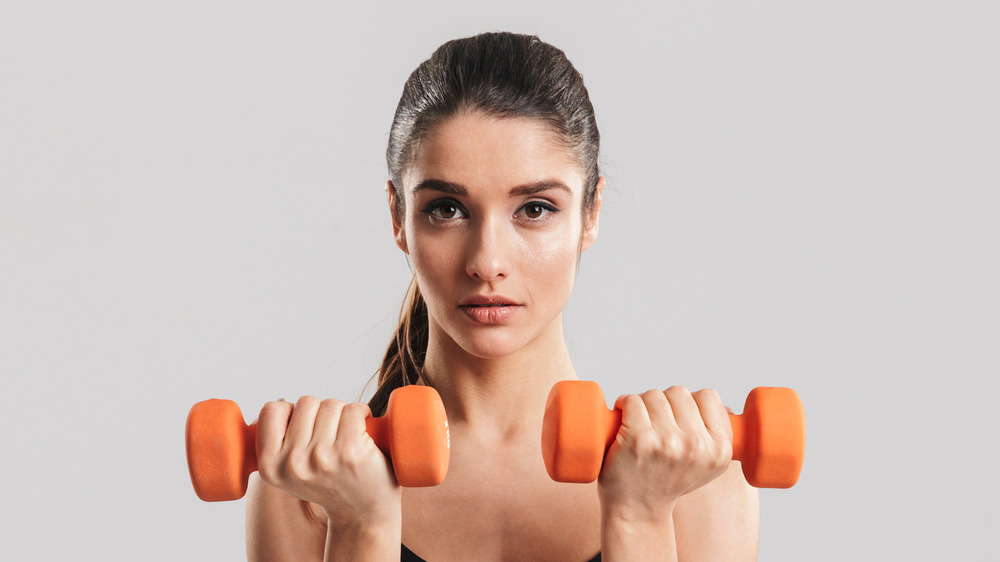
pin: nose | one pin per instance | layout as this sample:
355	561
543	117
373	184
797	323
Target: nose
488	251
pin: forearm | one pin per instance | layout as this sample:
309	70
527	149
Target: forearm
625	536
720	521
373	542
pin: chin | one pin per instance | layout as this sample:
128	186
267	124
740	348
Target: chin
491	347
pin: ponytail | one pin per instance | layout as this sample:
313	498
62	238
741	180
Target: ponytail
404	359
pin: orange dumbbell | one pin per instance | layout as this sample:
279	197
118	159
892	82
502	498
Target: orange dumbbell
769	438
222	448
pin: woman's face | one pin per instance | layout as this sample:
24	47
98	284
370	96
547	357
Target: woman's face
493	209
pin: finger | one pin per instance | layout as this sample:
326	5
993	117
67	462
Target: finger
714	414
686	413
661	414
326	423
634	413
353	444
272	423
300	428
353	422
279	400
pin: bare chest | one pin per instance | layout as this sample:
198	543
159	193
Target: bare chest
501	509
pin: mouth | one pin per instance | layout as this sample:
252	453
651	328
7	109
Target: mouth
493	313
487	301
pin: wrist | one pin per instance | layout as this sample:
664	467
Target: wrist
386	521
638	516
637	534
637	513
371	539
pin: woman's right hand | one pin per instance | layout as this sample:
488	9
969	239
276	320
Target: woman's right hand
320	451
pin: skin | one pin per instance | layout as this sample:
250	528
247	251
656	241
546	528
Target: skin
668	489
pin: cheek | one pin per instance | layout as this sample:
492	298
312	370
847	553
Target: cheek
433	262
551	259
438	268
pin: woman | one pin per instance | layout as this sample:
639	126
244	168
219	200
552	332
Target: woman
494	194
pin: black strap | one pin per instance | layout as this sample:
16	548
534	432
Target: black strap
406	555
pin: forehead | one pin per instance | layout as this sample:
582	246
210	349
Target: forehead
484	152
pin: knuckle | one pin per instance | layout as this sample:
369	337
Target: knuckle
268	472
355	409
319	459
707	396
677	390
306	401
331	403
695	449
647	444
707	393
274	409
673	446
297	465
351	456
331	406
631	400
652	394
725	453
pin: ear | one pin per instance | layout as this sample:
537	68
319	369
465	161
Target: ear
398	232
593	219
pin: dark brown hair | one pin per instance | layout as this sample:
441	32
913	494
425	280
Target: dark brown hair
503	75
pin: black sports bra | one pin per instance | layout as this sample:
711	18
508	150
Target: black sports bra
406	555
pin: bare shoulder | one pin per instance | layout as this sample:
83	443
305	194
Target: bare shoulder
278	526
719	521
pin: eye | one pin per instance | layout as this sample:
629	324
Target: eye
446	211
538	210
443	209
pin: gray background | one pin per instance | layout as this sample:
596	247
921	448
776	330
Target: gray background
800	194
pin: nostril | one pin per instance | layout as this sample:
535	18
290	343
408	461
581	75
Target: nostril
485	273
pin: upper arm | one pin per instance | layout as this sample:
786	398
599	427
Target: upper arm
720	520
278	528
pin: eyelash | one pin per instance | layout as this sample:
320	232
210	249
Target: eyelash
435	205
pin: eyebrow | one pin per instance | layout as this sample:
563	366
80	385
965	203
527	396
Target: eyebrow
519	191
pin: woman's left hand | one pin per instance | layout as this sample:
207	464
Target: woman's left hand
670	443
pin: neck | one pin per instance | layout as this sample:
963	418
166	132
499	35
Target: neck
497	396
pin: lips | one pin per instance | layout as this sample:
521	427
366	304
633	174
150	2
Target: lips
489	309
487	300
